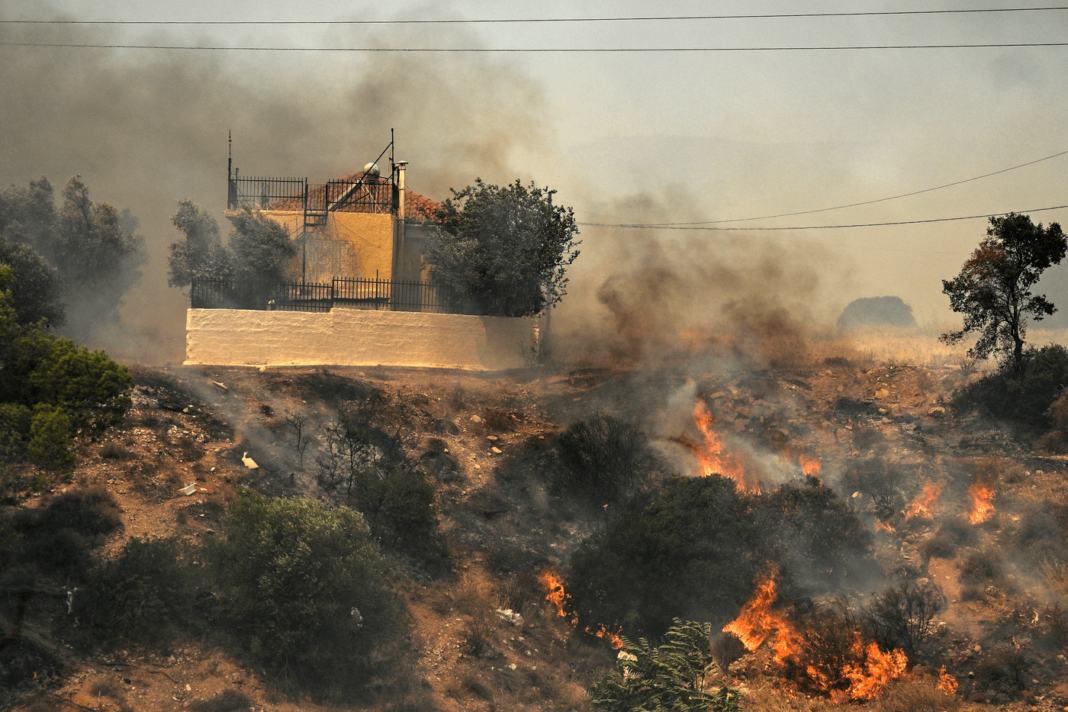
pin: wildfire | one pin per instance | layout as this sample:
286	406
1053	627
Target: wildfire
923	504
880	527
874	671
982	504
556	595
809	466
757	621
713	459
946	682
602	632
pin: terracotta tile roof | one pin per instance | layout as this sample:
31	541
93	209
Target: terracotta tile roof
377	191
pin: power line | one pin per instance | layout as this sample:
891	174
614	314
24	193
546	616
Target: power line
667	18
533	50
871	202
652	226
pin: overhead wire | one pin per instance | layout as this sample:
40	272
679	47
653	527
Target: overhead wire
536	50
539	20
877	200
661	226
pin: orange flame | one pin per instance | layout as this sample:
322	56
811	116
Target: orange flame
809	466
982	504
614	641
875	671
556	595
757	621
880	527
713	459
946	682
923	504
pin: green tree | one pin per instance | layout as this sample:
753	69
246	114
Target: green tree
993	289
304	590
670	677
503	251
36	289
261	248
202	253
93	246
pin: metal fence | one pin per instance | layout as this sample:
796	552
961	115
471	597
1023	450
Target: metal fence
310	297
260	192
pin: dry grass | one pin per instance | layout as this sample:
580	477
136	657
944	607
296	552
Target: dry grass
916	696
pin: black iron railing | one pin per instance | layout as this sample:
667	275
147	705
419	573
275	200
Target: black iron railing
245	192
310	297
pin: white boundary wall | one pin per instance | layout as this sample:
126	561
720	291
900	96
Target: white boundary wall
356	337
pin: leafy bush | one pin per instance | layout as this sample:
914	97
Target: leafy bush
602	459
902	616
667	677
814	534
304	592
1025	394
689	552
60	538
50	438
144	595
14	432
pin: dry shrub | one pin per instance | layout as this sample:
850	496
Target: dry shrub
771	700
973	593
981	566
951	535
226	701
1007	670
1056	628
828	636
725	648
1056	573
111	689
112	450
916	696
474	600
902	616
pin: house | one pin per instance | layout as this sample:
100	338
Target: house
360	226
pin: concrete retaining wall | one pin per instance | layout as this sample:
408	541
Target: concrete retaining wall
355	337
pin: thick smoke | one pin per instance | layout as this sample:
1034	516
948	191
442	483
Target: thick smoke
145	129
646	294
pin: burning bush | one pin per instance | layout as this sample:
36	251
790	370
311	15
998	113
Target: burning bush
602	459
815	536
689	553
825	647
903	616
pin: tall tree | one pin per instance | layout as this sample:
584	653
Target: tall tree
202	254
94	247
37	290
503	251
993	289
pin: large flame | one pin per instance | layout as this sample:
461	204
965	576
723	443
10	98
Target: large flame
556	595
946	682
923	504
713	459
982	504
874	671
757	621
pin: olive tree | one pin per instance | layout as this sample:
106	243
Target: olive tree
993	289
503	251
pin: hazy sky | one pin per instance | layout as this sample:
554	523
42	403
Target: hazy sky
624	137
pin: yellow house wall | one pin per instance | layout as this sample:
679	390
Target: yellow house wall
370	234
355	337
